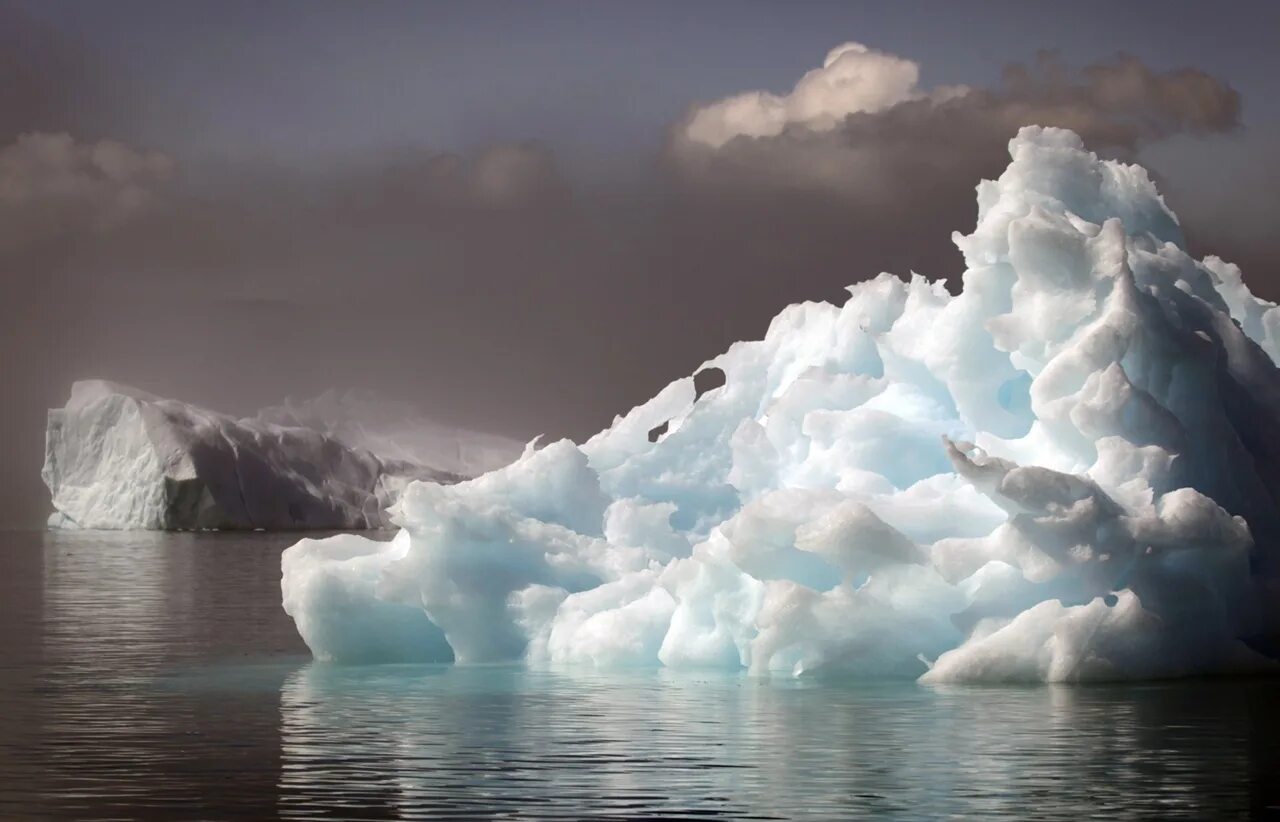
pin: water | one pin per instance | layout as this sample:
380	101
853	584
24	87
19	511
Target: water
155	676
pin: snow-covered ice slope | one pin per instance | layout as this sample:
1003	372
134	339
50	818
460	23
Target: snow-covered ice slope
1067	471
117	457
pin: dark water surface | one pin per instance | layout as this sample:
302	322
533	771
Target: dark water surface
155	676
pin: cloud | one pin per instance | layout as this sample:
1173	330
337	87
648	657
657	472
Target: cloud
515	173
861	127
853	79
500	176
54	189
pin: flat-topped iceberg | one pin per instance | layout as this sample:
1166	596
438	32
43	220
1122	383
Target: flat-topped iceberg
117	457
1066	471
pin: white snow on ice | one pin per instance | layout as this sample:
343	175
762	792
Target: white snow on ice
1067	471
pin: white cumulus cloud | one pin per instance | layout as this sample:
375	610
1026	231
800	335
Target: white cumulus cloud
853	78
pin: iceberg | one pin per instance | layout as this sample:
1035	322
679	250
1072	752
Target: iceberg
1066	471
120	458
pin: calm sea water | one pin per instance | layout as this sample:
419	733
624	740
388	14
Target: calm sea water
155	676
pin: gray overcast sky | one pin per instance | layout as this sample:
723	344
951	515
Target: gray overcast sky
481	207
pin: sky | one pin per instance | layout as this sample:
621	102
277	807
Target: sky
527	217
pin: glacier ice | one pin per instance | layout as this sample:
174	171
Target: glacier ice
1066	471
117	457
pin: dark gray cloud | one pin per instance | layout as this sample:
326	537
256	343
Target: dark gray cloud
483	285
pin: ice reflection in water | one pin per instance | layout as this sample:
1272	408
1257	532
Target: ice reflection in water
418	742
155	676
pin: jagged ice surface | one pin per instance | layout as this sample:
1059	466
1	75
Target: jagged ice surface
1067	471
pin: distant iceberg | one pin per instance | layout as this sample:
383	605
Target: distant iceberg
120	458
1067	471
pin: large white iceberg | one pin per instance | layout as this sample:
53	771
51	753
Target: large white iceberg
1066	471
117	457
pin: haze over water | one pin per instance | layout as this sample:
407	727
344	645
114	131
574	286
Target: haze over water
151	675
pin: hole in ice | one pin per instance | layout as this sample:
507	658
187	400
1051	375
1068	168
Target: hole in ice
1111	600
708	379
656	432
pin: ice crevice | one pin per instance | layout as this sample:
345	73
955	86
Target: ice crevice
1067	471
